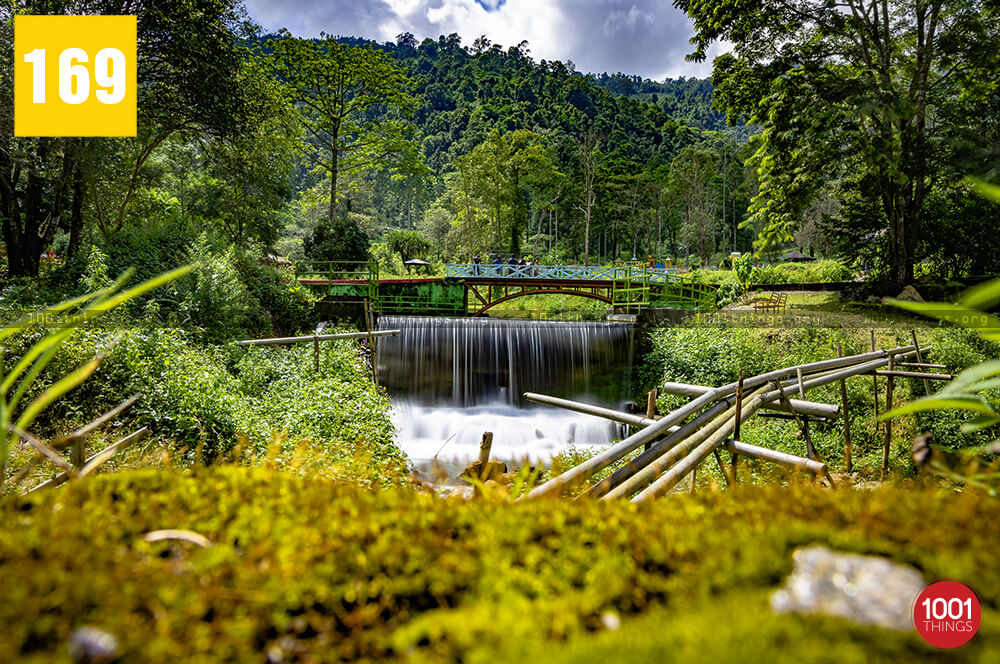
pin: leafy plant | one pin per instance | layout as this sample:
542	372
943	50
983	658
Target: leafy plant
72	314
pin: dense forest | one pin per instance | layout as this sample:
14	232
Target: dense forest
446	151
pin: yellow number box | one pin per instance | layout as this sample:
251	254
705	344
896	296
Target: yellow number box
75	76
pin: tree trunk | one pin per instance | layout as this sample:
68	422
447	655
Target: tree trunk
76	214
333	185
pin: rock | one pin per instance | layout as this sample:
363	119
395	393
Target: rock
865	589
910	294
874	299
93	645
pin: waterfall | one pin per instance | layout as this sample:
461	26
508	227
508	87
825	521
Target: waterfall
471	361
451	379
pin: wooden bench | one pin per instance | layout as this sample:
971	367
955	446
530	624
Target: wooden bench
776	302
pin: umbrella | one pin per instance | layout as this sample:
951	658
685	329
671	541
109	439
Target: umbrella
415	261
796	256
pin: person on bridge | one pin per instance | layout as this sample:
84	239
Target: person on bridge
475	265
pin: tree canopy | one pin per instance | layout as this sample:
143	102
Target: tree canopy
879	94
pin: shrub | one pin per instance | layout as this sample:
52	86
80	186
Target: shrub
341	240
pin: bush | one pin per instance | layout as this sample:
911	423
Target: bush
203	399
285	305
341	240
312	570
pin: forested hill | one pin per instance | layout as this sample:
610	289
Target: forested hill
689	99
465	91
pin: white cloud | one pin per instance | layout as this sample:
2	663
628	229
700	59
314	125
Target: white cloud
645	37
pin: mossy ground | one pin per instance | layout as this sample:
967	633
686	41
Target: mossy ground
314	570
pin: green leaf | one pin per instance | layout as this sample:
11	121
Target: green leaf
987	326
990	191
56	390
963	381
984	296
957	402
979	423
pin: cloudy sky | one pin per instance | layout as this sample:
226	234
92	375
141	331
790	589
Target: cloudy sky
645	37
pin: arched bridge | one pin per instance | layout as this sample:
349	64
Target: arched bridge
483	286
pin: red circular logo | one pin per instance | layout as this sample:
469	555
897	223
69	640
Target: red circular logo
947	614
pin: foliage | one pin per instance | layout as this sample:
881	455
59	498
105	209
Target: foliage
307	568
976	390
188	65
337	88
743	265
408	244
286	304
716	355
213	297
340	240
843	92
201	400
21	380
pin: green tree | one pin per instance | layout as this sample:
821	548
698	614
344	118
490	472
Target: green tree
189	57
691	185
352	101
884	89
408	244
341	241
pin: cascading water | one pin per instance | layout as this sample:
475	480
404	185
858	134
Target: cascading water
451	379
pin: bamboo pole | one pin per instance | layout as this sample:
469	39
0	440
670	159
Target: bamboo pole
920	358
842	373
921	365
94	461
733	456
915	374
659	448
874	377
670	455
589	409
319	337
675	474
722	467
887	441
774	456
848	445
616	452
812	408
651	409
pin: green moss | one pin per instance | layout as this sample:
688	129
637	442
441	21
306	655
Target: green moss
326	571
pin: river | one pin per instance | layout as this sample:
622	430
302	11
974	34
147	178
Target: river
451	379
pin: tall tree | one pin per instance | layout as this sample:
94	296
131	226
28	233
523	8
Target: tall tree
189	55
691	175
352	103
589	153
848	87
